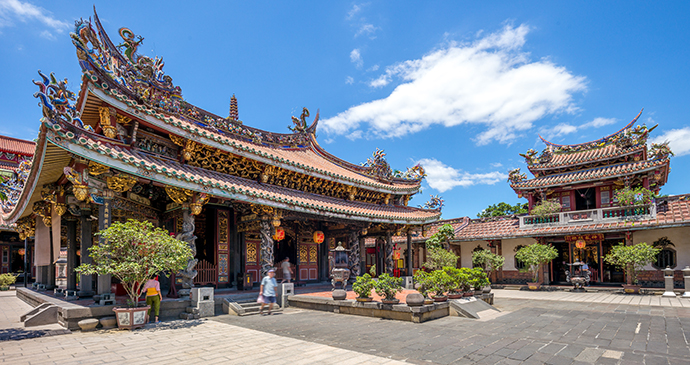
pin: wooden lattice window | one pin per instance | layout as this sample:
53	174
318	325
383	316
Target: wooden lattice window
303	254
312	254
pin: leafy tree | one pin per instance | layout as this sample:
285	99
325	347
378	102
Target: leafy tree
534	256
546	207
487	260
632	258
134	252
441	238
437	258
501	209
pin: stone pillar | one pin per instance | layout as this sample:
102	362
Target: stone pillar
409	252
266	233
85	281
104	220
686	277
71	254
389	254
668	283
187	235
50	284
353	245
362	255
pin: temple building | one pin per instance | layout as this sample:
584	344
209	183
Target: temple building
13	153
583	179
128	145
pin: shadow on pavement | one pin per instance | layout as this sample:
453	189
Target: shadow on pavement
15	334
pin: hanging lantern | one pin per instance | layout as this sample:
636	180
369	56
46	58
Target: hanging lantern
79	253
279	235
21	252
580	243
319	237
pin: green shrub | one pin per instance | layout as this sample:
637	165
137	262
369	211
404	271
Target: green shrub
7	279
387	286
632	258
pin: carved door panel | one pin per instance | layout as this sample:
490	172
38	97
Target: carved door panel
308	261
252	263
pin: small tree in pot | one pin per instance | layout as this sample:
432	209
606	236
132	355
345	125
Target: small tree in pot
632	259
364	285
387	286
489	261
134	252
534	256
6	280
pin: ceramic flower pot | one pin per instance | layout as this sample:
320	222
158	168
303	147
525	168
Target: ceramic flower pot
534	286
364	299
631	289
390	301
131	318
428	301
440	298
454	295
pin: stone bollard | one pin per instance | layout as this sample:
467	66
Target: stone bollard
686	276
668	283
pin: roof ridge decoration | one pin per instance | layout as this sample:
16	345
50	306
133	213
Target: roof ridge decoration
141	78
378	167
435	203
11	189
626	137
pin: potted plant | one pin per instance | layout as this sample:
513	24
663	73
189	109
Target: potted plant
441	282
424	285
488	261
6	280
534	256
631	259
387	286
458	278
545	209
478	280
135	251
364	285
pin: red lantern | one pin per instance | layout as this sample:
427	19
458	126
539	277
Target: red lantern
319	237
279	235
21	252
580	243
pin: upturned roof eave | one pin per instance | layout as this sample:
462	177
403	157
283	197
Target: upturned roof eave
265	198
535	167
201	136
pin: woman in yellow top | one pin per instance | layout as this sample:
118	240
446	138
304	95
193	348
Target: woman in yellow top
153	297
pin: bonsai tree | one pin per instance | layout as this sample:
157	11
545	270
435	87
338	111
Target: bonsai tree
534	256
628	197
365	284
6	280
478	278
466	273
134	252
459	279
424	283
442	282
546	208
437	249
487	260
631	258
387	286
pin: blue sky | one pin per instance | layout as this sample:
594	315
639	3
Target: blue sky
462	87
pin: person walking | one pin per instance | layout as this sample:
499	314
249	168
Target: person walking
287	270
268	290
153	297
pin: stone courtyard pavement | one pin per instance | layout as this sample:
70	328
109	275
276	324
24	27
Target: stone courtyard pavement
527	331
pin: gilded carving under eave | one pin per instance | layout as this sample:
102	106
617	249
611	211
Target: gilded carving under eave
121	183
96	169
179	196
108	130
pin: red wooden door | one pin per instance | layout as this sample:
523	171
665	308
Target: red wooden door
308	261
252	264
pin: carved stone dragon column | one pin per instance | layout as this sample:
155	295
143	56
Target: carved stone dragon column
353	245
266	233
389	253
187	235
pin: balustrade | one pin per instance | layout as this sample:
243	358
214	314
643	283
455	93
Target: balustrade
602	215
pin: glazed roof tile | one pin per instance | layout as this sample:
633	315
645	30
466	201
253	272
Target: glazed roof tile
18	146
306	159
228	186
593	174
560	159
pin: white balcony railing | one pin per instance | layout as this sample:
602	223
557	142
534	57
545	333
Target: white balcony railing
591	216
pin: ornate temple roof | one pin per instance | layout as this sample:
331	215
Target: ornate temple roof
595	174
17	146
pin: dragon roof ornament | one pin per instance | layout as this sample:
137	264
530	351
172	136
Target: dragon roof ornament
11	189
435	203
141	78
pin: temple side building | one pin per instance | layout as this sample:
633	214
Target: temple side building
13	153
128	145
583	179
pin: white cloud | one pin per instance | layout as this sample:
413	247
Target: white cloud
373	68
366	29
356	58
496	164
349	80
11	10
679	140
565	128
355	9
442	177
489	82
